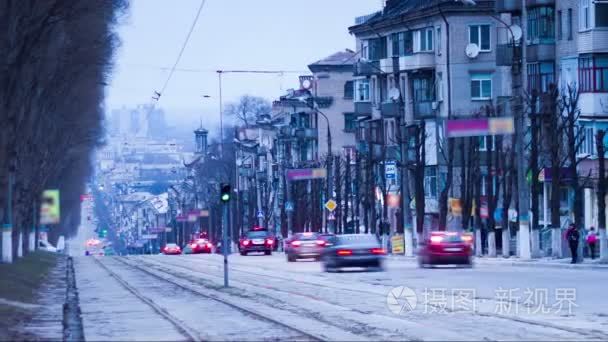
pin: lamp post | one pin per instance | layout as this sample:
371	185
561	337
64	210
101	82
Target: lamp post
310	102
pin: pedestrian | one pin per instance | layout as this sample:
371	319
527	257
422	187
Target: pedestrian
572	236
591	241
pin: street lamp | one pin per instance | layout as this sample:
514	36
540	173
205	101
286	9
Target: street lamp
309	100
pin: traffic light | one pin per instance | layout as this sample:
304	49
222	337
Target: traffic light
225	192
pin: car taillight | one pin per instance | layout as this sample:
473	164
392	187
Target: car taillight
378	251
193	245
344	252
296	243
208	245
269	241
467	238
320	243
245	242
436	239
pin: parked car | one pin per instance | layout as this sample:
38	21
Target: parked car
172	249
258	240
304	246
187	249
353	250
44	245
446	248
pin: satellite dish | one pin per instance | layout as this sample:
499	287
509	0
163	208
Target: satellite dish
306	84
517	32
472	50
290	92
394	94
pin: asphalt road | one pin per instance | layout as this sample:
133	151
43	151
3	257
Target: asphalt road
299	301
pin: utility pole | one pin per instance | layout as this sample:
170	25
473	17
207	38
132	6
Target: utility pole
518	111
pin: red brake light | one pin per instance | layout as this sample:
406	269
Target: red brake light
193	245
269	241
208	245
320	242
467	238
245	242
378	251
345	252
296	243
436	239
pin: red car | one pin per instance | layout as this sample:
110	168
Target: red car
446	248
201	246
172	249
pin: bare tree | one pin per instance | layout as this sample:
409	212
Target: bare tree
418	171
602	185
248	109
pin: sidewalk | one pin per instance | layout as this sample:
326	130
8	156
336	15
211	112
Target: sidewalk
563	263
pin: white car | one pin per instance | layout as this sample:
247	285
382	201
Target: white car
44	245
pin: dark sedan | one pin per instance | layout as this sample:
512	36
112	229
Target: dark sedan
353	250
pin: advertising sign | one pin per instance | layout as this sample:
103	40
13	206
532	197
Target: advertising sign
397	244
49	209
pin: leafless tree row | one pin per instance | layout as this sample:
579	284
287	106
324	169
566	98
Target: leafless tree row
56	59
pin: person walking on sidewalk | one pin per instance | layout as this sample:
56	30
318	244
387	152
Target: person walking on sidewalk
591	241
573	236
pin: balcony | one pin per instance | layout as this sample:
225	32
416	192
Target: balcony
507	53
508	5
363	108
367	68
540	52
306	133
421	60
390	109
389	65
324	101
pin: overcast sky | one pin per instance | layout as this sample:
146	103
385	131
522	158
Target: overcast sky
230	34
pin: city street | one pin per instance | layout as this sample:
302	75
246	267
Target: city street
181	297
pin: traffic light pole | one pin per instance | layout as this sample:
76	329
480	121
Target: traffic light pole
225	241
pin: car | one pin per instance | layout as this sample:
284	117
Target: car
172	249
201	246
446	248
353	250
187	249
44	245
304	246
257	240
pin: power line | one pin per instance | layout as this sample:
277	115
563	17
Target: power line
197	70
181	51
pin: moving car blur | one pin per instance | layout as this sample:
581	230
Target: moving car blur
304	246
446	248
200	246
172	249
353	250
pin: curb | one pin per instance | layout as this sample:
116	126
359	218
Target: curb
72	319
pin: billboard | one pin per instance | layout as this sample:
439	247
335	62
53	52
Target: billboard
49	209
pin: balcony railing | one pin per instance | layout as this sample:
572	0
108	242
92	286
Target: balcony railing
363	108
367	68
423	109
390	109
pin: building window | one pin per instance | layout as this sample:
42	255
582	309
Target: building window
480	36
481	86
541	25
423	94
540	76
569	23
402	43
350	124
584	20
559	25
601	14
362	90
593	73
377	48
438	39
430	182
587	146
348	90
423	40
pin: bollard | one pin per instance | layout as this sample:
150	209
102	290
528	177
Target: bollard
32	241
20	246
7	244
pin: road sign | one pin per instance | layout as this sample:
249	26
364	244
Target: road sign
331	217
168	230
260	214
155	230
303	174
331	205
397	244
149	236
289	206
390	169
49	209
